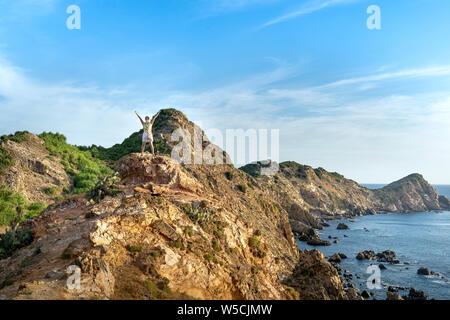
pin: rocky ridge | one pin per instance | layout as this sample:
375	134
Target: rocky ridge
311	196
173	232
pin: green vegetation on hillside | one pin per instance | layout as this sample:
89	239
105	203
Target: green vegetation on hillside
252	169
81	165
131	144
6	160
414	178
14	208
19	137
13	240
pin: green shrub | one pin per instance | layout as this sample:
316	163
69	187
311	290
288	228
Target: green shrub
13	240
209	257
254	242
65	255
293	294
252	169
6	160
189	231
177	244
14	208
216	245
161	147
229	175
49	191
156	253
242	188
18	137
106	186
199	215
133	248
152	288
255	247
85	169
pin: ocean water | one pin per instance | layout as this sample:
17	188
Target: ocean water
419	239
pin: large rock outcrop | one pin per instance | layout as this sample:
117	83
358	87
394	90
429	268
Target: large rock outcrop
33	170
174	232
309	195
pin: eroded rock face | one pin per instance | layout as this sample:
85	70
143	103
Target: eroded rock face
316	279
174	232
309	195
33	170
155	172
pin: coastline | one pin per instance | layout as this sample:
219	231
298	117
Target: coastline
366	233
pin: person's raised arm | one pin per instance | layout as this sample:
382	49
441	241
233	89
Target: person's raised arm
156	116
142	121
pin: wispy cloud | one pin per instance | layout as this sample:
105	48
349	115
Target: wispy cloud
410	73
375	138
307	8
20	9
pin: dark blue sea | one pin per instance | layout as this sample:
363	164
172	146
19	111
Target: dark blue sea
419	239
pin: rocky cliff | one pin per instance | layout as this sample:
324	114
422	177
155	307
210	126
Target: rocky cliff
172	232
178	231
33	172
312	195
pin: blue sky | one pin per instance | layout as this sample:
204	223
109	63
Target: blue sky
373	105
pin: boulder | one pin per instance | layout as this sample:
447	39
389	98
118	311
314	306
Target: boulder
387	256
318	242
342	226
393	296
415	295
335	258
424	271
366	255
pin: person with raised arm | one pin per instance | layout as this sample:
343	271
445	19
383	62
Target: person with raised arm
147	136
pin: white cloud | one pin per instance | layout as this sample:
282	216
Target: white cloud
375	138
20	9
307	8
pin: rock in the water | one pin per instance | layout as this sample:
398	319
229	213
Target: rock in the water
318	242
393	296
366	255
335	258
424	271
415	295
388	256
392	289
342	226
382	266
343	256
